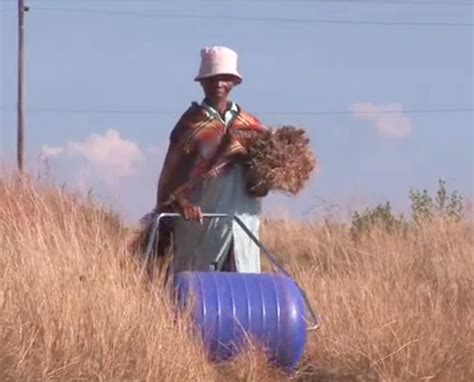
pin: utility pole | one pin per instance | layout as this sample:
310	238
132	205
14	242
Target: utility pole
20	106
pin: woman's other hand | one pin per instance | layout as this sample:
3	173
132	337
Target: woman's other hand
255	187
258	191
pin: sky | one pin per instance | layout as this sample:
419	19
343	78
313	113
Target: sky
107	80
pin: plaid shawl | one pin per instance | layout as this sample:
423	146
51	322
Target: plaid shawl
205	137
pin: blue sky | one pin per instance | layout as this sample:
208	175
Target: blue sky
105	89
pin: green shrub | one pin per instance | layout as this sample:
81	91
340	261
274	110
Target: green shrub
380	217
424	208
444	205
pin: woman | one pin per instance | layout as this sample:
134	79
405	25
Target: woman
204	172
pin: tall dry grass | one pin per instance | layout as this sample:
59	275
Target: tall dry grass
73	304
395	307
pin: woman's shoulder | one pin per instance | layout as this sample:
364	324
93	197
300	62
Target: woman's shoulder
189	121
192	116
249	120
194	112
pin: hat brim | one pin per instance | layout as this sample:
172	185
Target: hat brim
238	79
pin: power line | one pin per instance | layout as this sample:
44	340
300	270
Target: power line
371	2
252	19
309	113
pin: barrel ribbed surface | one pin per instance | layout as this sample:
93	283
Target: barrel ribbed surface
229	306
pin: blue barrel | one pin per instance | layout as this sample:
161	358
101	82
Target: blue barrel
230	307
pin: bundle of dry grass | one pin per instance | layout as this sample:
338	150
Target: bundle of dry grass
281	160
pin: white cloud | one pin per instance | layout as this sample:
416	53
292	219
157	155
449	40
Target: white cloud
51	151
117	170
108	153
106	156
389	119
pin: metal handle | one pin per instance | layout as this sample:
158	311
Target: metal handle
274	261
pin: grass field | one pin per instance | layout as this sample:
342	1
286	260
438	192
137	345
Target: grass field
395	307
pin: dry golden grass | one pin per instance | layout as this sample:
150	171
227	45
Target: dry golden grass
73	305
395	308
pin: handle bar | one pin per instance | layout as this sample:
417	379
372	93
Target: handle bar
273	260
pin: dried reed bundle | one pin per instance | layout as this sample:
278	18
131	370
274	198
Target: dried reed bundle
281	160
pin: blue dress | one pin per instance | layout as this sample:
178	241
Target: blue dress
204	247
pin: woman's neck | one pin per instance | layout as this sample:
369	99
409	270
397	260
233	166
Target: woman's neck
220	105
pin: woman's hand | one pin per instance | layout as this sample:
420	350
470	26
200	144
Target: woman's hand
189	211
192	213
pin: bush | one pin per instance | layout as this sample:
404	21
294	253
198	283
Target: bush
380	217
447	206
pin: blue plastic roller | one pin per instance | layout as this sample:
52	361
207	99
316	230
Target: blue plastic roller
270	309
229	307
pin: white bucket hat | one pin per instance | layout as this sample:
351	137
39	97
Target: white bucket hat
218	60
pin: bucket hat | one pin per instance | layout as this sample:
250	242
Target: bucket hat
218	60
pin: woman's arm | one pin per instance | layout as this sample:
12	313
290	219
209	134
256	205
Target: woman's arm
174	174
167	180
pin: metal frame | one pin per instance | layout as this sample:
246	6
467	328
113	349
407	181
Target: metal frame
274	261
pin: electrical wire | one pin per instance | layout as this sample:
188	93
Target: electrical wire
330	2
309	113
250	19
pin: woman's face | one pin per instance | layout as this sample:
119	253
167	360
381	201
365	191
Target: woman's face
217	88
